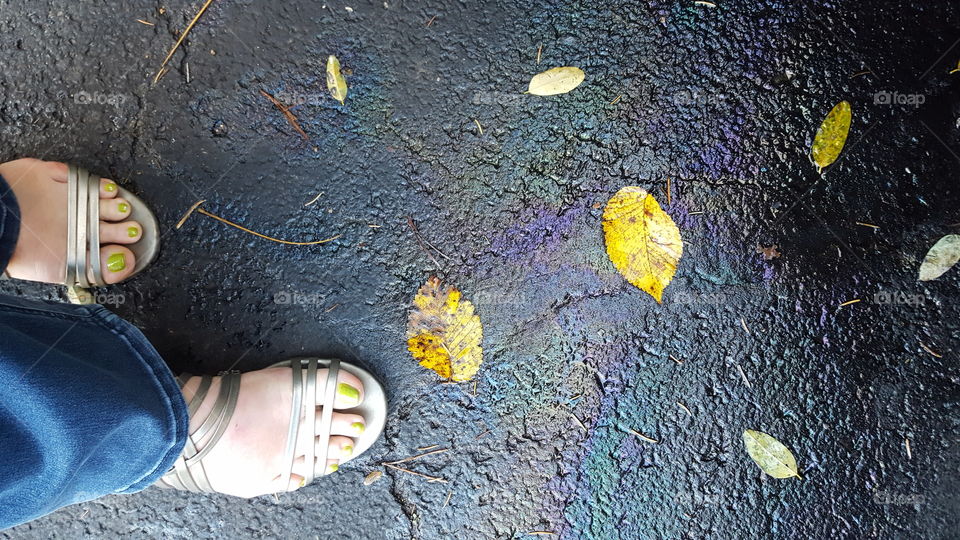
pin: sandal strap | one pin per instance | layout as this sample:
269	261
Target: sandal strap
188	472
294	428
199	395
72	232
93	229
310	417
326	415
83	228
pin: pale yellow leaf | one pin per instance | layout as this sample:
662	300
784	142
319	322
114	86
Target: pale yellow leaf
558	80
372	477
941	257
79	295
770	454
642	240
443	332
335	81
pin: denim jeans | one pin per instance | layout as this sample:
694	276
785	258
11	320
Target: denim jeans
87	406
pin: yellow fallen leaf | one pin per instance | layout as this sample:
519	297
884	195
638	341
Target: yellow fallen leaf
558	80
831	136
770	454
444	333
335	81
642	241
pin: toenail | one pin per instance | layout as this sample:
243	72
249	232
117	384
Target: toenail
348	391
123	207
332	468
116	262
346	451
358	427
132	232
110	187
303	482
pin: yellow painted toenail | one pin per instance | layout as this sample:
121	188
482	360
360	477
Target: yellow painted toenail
348	391
303	482
358	427
132	232
332	468
116	262
123	207
110	187
346	451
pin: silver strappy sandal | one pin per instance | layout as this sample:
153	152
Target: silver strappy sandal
83	230
188	472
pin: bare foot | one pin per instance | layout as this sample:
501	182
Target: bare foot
41	250
249	460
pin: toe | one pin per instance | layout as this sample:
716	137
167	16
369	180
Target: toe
116	263
114	209
298	474
339	448
350	425
127	232
349	389
108	189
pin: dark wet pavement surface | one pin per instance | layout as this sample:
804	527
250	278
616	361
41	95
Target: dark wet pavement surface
724	101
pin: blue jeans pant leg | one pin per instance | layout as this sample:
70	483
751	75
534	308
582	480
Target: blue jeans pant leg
87	408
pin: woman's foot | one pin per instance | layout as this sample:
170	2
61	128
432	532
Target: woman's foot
250	458
41	251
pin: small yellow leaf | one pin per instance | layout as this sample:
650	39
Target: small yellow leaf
558	80
770	454
335	81
444	333
832	135
642	241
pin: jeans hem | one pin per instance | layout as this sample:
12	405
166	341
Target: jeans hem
177	417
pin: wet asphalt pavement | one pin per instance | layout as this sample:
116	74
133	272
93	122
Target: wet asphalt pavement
724	101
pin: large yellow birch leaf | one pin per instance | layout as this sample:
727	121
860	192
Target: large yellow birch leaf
336	84
642	241
770	454
558	80
831	136
444	333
